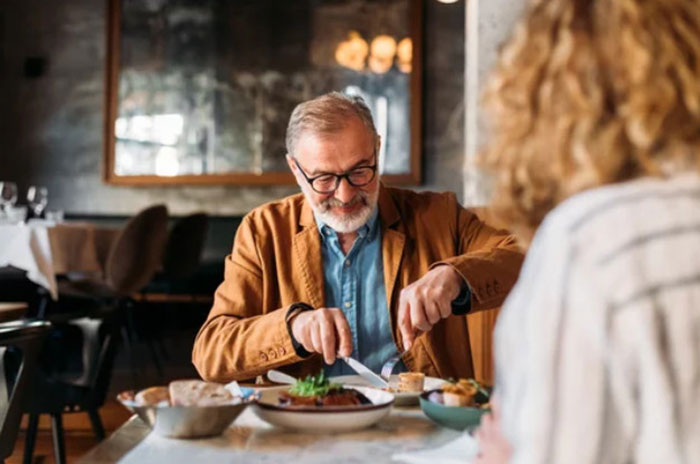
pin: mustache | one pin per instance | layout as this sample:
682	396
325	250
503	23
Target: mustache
335	203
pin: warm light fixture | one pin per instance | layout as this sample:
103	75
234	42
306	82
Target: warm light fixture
448	1
382	53
404	54
379	55
352	52
383	47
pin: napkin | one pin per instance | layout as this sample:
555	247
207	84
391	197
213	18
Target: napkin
460	450
237	391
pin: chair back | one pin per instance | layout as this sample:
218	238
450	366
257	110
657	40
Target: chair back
27	337
183	250
137	251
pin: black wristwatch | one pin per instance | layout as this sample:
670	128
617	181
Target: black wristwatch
298	347
463	303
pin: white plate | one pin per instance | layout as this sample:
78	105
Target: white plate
402	398
323	420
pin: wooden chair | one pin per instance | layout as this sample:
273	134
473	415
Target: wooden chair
25	339
172	286
57	393
183	250
133	258
132	261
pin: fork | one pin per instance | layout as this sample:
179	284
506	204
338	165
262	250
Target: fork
388	366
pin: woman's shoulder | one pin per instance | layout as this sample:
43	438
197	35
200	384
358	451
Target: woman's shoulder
599	207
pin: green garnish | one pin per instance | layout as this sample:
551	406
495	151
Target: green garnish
479	388
314	385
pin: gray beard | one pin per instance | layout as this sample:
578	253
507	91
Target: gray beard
347	223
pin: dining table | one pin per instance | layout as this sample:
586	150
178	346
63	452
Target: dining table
45	249
251	440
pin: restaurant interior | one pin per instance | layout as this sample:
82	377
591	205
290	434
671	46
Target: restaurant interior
136	135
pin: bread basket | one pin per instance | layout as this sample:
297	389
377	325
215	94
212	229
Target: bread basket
188	421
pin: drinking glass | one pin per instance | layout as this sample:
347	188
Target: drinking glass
8	195
37	198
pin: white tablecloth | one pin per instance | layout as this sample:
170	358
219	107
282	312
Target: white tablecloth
250	440
27	247
44	249
461	450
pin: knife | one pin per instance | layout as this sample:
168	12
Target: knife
365	372
276	376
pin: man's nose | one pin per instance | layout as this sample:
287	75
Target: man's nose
345	192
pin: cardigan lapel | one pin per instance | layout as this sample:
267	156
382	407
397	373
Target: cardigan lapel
306	251
393	242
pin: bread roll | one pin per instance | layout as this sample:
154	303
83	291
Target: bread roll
153	396
455	399
459	394
198	393
411	381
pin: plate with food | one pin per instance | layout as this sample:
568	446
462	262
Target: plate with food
316	404
406	387
457	405
188	408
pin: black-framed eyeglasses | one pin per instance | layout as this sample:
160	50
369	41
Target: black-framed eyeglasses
328	182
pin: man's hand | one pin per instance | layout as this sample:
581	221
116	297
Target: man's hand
427	300
325	331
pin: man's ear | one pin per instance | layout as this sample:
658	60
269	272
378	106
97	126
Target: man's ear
295	170
290	163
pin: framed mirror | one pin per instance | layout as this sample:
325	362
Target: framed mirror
200	91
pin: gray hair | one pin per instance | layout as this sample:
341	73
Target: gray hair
327	114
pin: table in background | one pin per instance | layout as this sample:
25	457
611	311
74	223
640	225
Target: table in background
251	440
44	250
11	311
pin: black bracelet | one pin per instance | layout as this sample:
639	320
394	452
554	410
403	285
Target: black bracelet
463	303
298	347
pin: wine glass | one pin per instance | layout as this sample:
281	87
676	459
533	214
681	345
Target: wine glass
37	198
8	195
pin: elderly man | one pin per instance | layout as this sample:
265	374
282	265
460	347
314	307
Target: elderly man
351	267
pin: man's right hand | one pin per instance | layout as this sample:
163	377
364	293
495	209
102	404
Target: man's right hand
325	331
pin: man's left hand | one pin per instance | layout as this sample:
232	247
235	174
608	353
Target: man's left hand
426	301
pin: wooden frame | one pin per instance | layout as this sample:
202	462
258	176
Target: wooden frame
414	177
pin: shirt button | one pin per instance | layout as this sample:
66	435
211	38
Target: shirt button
348	304
272	354
263	356
281	351
347	263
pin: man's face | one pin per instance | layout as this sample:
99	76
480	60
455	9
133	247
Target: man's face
349	207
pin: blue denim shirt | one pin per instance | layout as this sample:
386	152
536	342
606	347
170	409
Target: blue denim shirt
355	284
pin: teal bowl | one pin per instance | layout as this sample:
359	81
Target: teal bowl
452	417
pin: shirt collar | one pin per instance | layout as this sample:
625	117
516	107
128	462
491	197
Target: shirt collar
369	229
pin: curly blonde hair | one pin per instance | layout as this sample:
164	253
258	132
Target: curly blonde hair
587	93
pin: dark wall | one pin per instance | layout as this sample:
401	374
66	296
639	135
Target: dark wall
51	111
